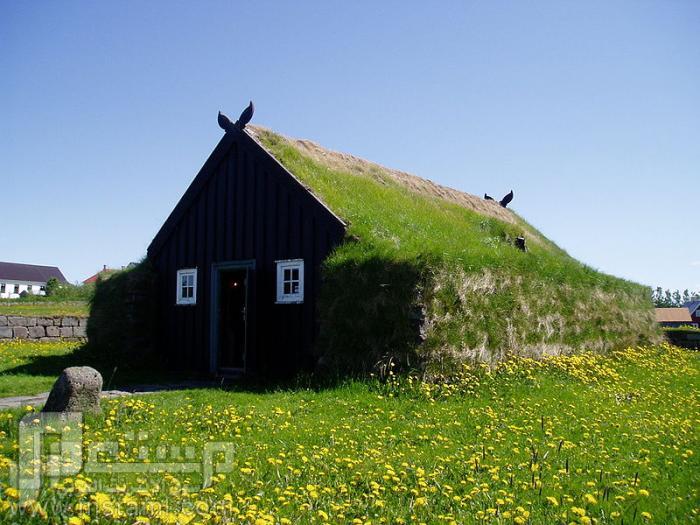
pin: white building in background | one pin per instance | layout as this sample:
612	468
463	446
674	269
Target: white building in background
16	278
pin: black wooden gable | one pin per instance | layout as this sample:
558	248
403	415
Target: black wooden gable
243	140
242	208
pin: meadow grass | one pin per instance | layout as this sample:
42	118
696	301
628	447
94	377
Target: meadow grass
45	308
568	439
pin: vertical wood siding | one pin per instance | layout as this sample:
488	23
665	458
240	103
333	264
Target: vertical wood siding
243	205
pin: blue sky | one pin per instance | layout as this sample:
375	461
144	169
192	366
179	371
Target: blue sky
590	111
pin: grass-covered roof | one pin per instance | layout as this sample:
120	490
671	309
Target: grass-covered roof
432	274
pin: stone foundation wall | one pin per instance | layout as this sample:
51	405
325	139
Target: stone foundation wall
42	328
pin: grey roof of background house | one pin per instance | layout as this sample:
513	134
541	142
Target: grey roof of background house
692	306
29	272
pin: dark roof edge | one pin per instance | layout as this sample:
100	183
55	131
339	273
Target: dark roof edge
191	193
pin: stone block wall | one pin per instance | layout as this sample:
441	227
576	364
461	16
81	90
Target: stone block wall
42	328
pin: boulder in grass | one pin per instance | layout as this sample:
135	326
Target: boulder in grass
77	389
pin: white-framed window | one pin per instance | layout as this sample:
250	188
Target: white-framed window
187	286
290	281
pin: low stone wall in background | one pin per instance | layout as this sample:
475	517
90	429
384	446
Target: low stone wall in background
42	328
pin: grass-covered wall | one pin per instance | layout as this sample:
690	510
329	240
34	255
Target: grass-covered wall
122	322
430	276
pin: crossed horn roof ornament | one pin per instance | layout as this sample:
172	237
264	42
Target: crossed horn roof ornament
226	124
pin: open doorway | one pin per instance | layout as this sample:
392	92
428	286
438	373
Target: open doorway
230	322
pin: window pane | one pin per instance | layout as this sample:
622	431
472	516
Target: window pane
186	286
290	281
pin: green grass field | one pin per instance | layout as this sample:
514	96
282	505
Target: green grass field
45	308
574	439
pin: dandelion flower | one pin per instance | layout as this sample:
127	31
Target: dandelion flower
590	498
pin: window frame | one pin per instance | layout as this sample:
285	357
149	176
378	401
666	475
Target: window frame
179	299
289	298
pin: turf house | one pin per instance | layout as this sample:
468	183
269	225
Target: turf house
282	255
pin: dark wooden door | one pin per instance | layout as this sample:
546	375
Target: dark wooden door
233	314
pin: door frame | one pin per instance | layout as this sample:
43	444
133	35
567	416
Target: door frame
216	269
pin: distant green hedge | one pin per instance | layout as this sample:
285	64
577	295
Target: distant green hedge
58	292
686	328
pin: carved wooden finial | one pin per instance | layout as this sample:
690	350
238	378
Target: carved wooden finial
226	124
506	200
245	116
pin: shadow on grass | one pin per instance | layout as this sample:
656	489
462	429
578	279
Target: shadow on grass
149	375
114	375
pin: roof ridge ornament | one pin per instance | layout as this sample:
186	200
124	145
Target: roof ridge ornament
505	201
226	124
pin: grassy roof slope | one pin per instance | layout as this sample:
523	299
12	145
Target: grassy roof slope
431	274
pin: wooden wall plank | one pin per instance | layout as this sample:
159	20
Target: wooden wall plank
231	175
240	205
